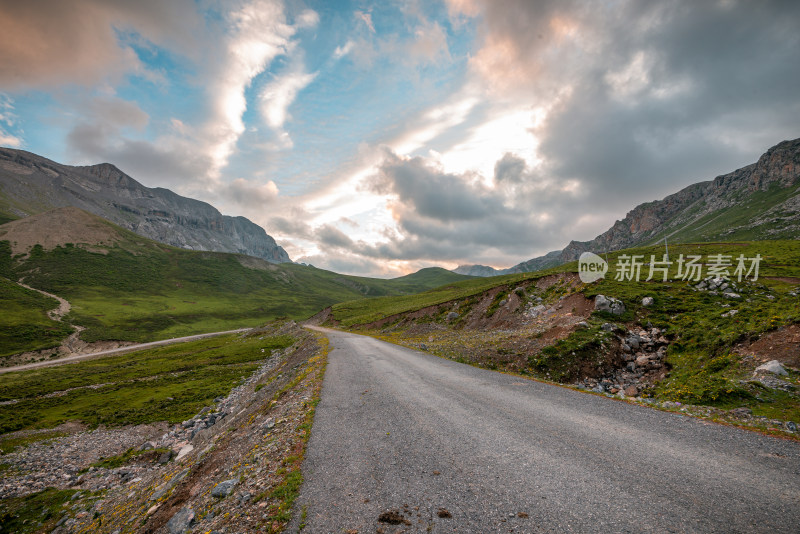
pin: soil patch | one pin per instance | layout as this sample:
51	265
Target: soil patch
782	345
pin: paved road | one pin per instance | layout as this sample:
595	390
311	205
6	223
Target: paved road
397	428
129	348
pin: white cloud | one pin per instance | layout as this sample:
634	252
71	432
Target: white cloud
366	18
343	50
277	96
9	140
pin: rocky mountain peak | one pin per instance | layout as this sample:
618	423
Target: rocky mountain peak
31	184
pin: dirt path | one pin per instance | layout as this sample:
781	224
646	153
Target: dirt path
63	305
79	357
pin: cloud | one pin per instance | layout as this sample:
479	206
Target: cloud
441	216
331	236
433	193
429	43
639	99
366	18
8	119
344	49
277	96
50	42
248	194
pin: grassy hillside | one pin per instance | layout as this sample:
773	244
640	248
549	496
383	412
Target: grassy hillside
140	290
707	344
168	383
24	324
746	220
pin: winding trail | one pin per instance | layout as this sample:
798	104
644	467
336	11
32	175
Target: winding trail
453	448
63	305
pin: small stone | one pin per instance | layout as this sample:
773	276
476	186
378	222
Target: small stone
269	425
423	346
647	302
223	489
631	391
642	360
452	315
608	327
184	451
503	303
742	412
790	426
731	295
582	325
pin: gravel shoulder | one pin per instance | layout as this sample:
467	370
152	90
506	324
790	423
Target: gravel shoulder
407	442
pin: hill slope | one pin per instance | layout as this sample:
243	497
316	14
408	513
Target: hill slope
696	343
31	184
126	287
759	201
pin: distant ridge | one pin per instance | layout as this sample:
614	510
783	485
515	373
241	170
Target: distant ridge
759	201
31	184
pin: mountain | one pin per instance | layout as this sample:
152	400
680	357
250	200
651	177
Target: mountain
125	287
31	184
757	202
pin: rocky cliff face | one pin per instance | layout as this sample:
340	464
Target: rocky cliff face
31	184
759	201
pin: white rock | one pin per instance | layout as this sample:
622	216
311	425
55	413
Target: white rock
647	302
773	366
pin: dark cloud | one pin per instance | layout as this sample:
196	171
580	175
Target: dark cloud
52	42
249	195
652	95
330	236
432	193
452	217
173	164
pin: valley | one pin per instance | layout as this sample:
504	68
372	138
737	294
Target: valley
212	433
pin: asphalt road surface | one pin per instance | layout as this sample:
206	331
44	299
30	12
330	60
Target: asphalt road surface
402	430
128	348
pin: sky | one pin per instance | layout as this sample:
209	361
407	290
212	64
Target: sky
378	138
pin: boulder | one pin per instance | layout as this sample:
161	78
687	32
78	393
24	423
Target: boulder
182	521
609	305
773	366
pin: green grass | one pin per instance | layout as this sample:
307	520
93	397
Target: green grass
365	311
24	324
736	222
140	290
168	383
37	512
119	460
8	445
